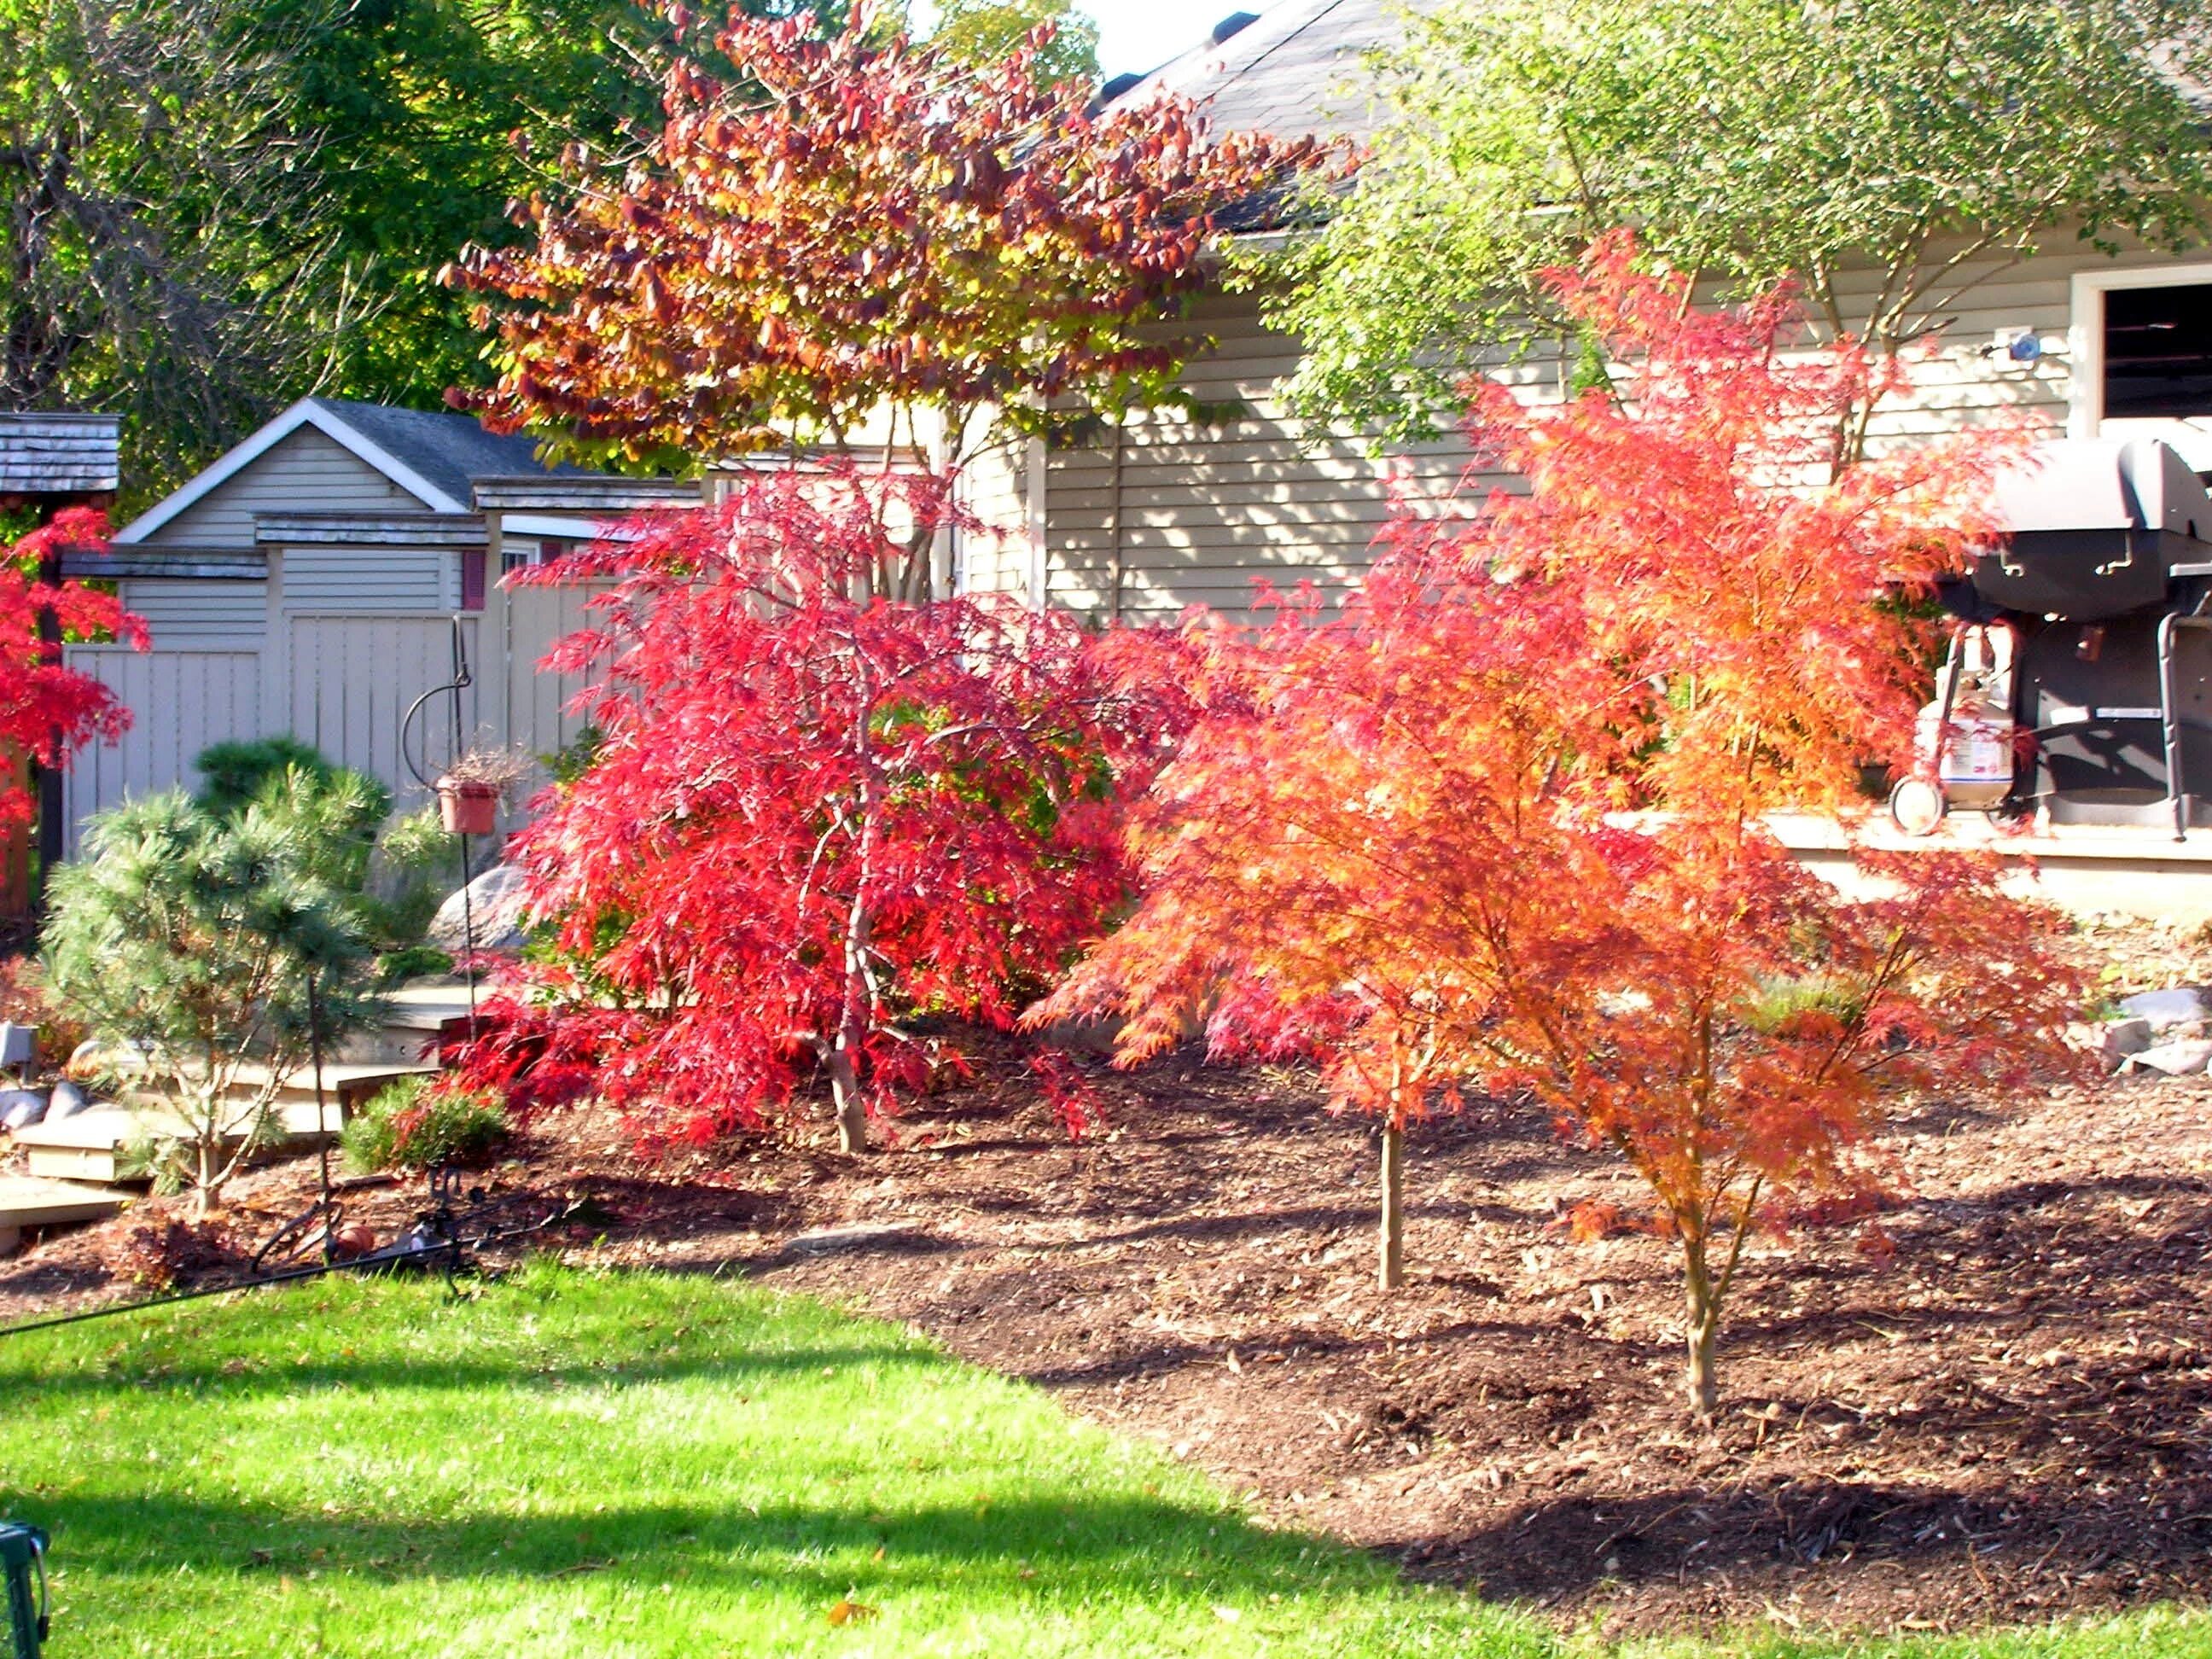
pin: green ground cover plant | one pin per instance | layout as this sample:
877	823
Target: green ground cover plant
409	1125
615	1465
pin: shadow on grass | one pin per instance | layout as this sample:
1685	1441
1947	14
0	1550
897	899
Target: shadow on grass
1077	1549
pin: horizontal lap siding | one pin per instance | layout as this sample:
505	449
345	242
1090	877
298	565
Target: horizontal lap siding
333	578
1194	511
303	472
184	613
180	701
996	554
1200	511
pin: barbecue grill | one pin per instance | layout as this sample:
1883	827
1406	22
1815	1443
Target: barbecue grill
2104	579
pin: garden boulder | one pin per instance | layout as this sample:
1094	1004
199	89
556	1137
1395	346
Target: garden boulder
2181	1004
2174	1059
21	1107
66	1100
496	913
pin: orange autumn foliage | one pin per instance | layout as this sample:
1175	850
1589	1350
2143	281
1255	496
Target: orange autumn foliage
852	220
1498	823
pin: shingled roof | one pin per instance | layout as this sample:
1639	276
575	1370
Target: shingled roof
56	454
1293	70
451	451
434	455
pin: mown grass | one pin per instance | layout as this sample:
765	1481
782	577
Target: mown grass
619	1465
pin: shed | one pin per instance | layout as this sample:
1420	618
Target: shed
314	581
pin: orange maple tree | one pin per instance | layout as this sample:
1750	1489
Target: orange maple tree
852	229
1499	823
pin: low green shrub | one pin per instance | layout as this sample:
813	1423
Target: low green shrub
411	961
411	1125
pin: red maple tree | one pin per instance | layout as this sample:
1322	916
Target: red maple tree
48	710
1500	823
851	226
818	814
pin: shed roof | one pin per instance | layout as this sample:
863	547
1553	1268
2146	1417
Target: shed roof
434	455
1294	69
451	451
46	454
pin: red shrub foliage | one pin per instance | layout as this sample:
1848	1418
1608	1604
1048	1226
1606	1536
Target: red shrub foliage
819	813
49	711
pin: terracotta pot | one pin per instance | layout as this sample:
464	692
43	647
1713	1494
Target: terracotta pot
468	809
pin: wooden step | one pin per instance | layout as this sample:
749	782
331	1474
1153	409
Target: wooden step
27	1201
348	1083
90	1146
80	1148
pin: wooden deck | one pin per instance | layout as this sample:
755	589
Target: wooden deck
27	1201
90	1147
2086	869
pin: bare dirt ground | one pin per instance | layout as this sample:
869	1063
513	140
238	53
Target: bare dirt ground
1991	1403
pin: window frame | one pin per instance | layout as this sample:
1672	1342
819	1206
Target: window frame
2190	435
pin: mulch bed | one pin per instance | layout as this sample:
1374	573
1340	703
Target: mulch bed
1991	1403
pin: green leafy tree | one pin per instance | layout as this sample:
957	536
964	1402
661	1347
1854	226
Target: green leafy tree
1890	157
981	32
192	940
164	251
195	238
431	116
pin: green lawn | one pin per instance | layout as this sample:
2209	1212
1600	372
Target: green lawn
629	1465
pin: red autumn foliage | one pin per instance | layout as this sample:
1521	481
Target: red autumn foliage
1500	822
1074	1102
852	222
818	814
48	710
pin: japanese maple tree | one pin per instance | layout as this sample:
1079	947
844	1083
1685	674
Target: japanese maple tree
852	232
1499	823
49	710
818	813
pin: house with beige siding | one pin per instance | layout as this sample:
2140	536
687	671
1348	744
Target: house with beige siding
321	576
1164	510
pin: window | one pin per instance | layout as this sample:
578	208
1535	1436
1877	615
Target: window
2142	356
2158	352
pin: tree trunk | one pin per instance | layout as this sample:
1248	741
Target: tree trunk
203	1189
851	1106
1702	1330
1393	1272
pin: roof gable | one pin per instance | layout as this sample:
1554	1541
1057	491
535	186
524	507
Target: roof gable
430	455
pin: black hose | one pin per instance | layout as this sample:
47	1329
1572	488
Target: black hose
447	1250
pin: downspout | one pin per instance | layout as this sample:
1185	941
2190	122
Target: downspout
1116	563
494	557
1040	570
2177	788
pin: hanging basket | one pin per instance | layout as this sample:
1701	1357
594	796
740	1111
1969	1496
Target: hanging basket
468	808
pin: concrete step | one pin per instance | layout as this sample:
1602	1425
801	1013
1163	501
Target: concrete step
28	1201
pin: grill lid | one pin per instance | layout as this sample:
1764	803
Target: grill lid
2096	526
